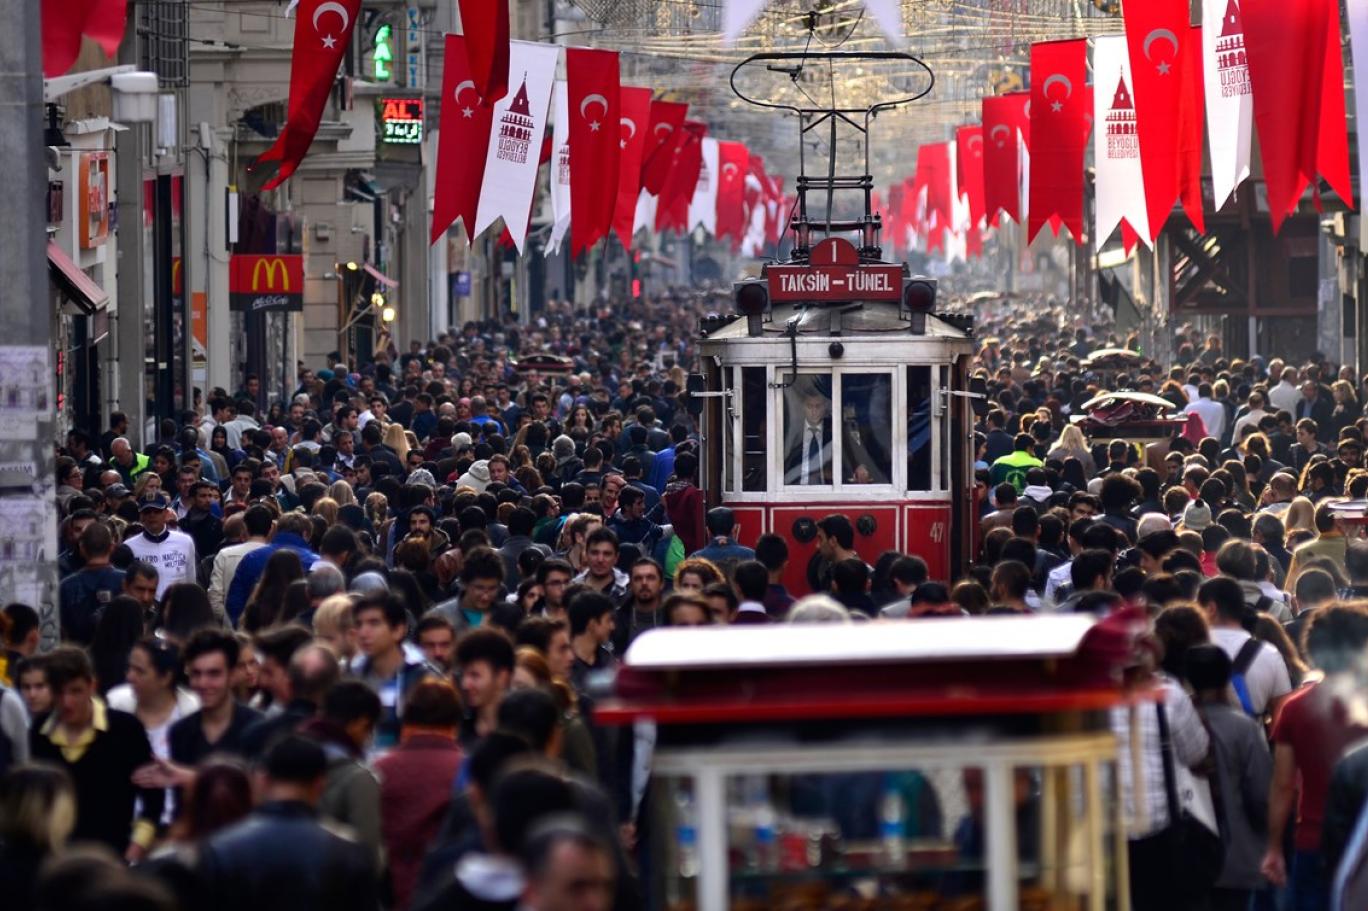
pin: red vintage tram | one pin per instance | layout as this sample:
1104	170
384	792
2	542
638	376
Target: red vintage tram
851	405
837	387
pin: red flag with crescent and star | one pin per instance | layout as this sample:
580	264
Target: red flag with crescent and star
462	143
632	129
665	137
969	170
1061	108
1295	65
594	105
733	162
322	35
1164	65
1005	127
485	26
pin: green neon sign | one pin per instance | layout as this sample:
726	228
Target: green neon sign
384	54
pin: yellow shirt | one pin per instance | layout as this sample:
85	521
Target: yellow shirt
74	748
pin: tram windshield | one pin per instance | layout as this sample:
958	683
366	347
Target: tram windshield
866	428
849	445
808	442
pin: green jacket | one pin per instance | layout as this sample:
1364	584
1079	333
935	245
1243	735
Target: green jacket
1012	468
141	463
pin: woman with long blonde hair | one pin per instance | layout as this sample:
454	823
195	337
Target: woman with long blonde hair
148	482
395	439
326	507
1300	515
377	507
342	494
37	816
1072	444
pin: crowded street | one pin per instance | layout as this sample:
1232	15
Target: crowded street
684	455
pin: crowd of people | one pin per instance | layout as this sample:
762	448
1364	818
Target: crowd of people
345	647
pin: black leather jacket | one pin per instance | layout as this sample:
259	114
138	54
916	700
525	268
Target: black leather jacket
281	858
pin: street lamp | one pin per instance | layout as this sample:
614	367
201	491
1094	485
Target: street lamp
135	91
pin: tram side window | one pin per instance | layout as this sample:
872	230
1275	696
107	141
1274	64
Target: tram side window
728	443
808	450
866	428
918	428
754	424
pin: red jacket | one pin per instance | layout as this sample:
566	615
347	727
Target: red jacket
684	506
415	790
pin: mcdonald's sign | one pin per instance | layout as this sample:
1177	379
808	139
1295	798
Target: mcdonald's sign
266	281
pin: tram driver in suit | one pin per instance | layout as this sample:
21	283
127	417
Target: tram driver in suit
807	447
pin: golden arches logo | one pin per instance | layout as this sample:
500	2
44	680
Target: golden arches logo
270	267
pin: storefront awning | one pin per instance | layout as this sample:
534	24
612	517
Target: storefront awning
379	276
72	281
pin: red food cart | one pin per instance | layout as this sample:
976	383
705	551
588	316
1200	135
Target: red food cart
941	765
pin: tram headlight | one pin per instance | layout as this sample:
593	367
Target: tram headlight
920	296
752	299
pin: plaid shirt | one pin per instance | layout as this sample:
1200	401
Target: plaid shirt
1144	802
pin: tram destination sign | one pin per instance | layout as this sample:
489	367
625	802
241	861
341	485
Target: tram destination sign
834	273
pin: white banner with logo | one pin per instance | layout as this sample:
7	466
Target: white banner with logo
1120	186
515	140
560	167
1229	95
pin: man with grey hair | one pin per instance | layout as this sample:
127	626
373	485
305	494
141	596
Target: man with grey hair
818	609
324	580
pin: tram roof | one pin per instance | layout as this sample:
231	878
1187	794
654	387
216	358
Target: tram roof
872	318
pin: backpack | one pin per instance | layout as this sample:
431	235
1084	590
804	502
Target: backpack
1244	658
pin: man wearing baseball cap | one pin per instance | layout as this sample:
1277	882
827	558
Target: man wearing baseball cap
171	552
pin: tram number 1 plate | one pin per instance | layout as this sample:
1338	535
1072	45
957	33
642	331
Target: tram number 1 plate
835	283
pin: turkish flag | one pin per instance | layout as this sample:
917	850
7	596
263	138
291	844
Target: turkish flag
322	35
1060	112
1293	49
592	80
733	161
933	172
682	178
754	194
462	143
774	211
633	126
892	219
969	152
66	22
485	25
1164	63
667	117
1005	125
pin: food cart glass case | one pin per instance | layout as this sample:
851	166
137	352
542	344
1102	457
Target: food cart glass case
938	765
